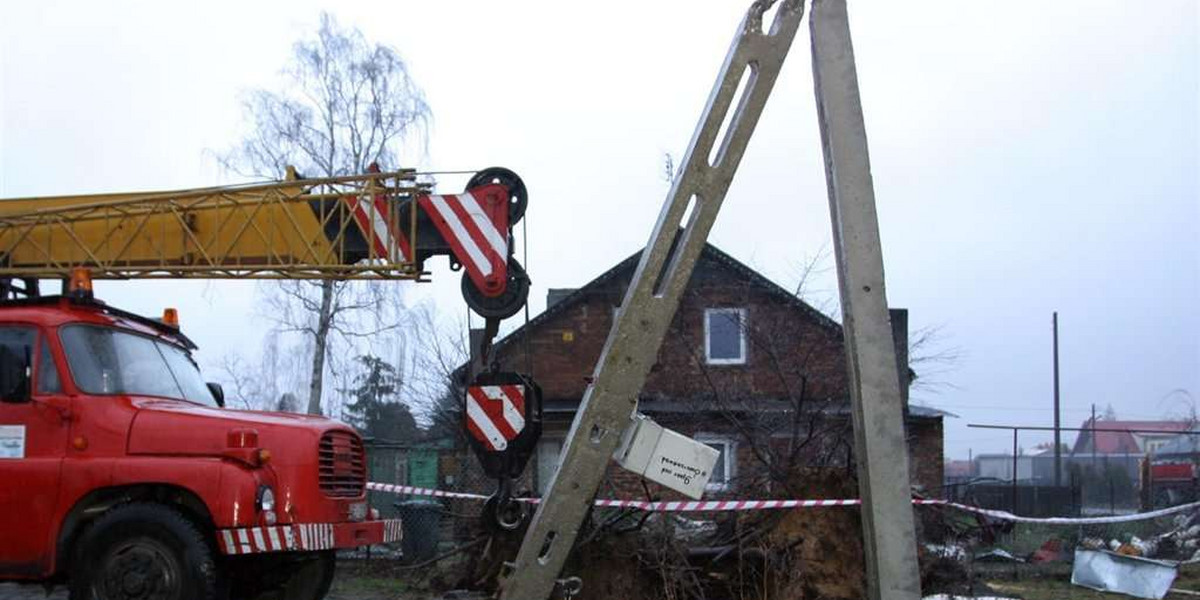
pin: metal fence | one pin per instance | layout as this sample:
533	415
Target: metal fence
432	525
1025	500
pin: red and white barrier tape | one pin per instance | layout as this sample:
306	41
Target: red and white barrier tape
1007	516
418	491
743	505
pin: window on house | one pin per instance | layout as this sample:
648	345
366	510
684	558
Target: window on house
549	455
725	336
723	471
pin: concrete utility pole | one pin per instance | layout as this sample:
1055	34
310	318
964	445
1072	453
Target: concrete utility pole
888	532
1057	413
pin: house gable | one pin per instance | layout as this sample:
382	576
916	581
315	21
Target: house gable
791	349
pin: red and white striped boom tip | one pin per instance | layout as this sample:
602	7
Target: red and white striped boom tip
474	224
496	414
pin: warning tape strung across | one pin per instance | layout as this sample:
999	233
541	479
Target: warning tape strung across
1005	515
417	491
744	505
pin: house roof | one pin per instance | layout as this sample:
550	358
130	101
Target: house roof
628	265
761	405
569	298
1120	442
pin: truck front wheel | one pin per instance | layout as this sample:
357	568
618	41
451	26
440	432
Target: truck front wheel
283	576
312	578
143	552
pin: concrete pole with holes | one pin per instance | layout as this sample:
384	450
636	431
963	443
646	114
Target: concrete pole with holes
888	532
688	214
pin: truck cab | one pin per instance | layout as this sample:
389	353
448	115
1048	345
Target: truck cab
126	477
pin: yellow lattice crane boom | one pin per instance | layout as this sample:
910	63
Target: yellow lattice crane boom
379	225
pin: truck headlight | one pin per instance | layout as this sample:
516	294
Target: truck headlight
266	499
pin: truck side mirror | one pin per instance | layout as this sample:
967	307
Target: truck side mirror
218	393
14	375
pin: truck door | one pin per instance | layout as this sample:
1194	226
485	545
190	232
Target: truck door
34	428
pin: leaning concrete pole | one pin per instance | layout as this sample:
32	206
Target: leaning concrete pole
666	265
888	533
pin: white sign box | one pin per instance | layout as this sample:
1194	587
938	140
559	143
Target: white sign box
12	441
666	457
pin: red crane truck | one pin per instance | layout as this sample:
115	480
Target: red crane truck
121	471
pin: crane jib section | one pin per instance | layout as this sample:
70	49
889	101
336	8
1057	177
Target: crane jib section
371	226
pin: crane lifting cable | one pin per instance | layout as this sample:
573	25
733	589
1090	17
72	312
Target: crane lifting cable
377	225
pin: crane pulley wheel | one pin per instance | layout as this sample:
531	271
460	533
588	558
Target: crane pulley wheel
506	304
518	197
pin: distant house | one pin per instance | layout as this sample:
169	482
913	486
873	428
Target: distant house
1029	467
1133	437
747	366
958	471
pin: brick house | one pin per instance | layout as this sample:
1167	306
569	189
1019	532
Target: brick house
747	367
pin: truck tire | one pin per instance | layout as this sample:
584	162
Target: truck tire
283	576
312	578
144	551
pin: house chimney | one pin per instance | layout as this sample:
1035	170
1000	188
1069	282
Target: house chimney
556	295
899	319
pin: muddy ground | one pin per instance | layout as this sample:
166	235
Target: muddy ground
380	582
354	582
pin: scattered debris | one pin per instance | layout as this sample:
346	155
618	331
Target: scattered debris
1051	551
1107	571
954	552
956	597
997	555
693	531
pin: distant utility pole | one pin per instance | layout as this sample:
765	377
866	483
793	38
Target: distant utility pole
1057	413
1093	436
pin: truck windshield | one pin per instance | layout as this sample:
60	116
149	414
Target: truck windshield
108	361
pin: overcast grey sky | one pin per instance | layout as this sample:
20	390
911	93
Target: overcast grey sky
1028	157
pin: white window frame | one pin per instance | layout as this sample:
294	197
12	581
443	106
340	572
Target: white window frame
708	314
729	457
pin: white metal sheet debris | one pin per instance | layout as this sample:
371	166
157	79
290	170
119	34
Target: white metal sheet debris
1107	571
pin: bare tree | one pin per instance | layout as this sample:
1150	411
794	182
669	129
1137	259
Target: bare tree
271	382
327	311
801	426
930	354
343	105
932	358
439	354
811	269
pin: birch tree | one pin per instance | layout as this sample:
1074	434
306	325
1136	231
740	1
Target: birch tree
343	104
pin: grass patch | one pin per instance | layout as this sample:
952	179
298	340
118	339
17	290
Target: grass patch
374	580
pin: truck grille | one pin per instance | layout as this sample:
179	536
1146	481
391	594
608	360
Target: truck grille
342	465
